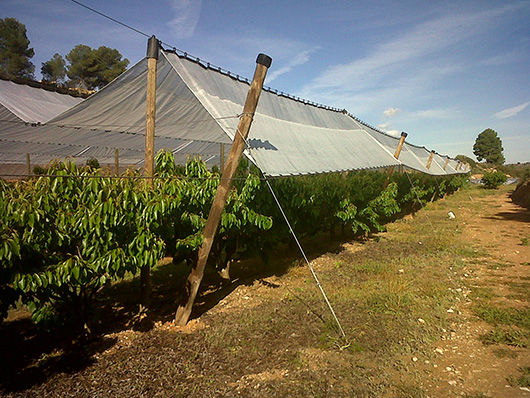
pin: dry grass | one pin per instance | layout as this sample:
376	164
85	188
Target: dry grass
272	335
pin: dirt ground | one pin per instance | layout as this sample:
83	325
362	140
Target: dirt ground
463	365
256	338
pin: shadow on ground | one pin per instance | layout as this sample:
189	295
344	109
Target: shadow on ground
29	356
520	214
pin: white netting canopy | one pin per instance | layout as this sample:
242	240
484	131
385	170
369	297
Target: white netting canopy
197	111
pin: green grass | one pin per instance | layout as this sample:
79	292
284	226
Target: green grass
503	316
512	337
482	293
504	353
390	295
523	380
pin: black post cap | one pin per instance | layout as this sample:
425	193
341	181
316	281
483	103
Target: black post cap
152	47
264	60
403	134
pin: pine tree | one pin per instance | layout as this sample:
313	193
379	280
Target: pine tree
488	147
15	52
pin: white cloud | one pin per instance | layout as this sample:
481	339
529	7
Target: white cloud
395	133
504	58
424	39
434	114
239	52
187	17
391	112
408	65
386	128
301	58
510	112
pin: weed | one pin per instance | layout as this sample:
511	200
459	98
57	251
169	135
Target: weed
411	392
394	296
482	293
525	242
476	395
503	316
511	337
499	265
504	353
371	267
523	380
520	288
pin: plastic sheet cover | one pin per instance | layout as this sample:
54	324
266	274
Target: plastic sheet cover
33	105
197	110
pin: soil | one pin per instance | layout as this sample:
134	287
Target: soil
462	364
150	358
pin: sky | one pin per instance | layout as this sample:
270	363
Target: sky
442	71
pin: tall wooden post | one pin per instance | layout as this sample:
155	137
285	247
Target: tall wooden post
398	152
152	57
446	162
396	155
234	157
430	160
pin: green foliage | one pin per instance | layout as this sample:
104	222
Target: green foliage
508	336
75	234
466	160
488	147
523	380
69	231
15	52
39	170
494	180
94	68
54	70
93	163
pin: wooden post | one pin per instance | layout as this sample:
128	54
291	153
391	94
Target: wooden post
117	162
430	160
396	155
152	57
446	162
398	152
149	167
222	155
28	164
234	157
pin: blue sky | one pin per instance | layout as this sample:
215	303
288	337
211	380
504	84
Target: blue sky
443	71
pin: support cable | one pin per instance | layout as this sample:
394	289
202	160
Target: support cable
112	19
298	242
306	259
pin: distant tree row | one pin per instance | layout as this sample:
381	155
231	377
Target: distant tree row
83	67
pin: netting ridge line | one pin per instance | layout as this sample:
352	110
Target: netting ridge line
419	201
306	259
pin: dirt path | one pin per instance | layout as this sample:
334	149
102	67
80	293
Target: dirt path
462	364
